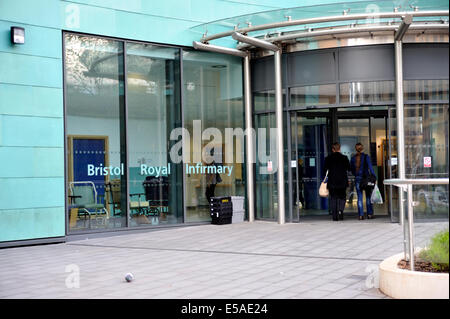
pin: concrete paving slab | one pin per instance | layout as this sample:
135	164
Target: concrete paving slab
257	260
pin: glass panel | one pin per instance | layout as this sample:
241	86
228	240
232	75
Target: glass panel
366	92
426	148
213	99
266	177
95	130
312	148
419	90
296	167
351	132
264	101
153	99
393	164
312	11
313	95
380	153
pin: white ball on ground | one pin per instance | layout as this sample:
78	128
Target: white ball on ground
129	277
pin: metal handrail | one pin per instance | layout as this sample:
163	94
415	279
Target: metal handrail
418	181
408	184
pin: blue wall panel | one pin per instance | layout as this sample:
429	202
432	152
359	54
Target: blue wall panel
20	224
32	162
30	70
40	41
31	131
21	193
31	100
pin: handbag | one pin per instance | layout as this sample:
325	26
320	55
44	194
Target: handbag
368	181
323	190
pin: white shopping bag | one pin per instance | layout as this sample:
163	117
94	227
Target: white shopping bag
376	196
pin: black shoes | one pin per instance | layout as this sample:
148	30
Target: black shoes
369	216
361	217
339	216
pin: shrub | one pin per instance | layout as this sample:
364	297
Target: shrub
437	252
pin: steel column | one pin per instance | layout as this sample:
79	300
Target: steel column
280	148
400	123
411	227
249	141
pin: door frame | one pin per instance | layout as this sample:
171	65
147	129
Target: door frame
332	115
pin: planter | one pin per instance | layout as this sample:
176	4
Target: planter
405	284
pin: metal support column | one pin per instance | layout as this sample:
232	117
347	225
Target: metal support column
280	148
411	226
400	130
400	123
401	31
249	141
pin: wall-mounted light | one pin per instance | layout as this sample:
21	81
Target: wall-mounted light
17	35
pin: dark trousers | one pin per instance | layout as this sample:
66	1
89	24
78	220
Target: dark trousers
337	202
210	192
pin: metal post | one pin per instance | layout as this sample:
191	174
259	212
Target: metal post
411	226
280	148
400	123
249	140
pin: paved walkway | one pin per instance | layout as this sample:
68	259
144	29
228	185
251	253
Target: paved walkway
314	259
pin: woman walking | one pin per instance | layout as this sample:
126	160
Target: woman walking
361	168
337	166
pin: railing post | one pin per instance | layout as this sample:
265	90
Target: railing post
400	124
411	226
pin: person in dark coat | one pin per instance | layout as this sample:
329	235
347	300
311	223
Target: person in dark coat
337	166
362	165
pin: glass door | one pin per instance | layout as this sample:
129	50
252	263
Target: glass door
371	131
352	131
310	141
266	175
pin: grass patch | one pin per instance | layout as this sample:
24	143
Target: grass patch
437	252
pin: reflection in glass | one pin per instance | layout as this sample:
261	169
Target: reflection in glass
265	178
367	92
420	90
95	132
153	100
426	154
212	87
310	137
313	95
264	100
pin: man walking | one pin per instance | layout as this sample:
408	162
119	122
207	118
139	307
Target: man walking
337	166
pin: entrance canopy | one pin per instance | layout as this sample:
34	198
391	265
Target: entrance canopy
272	24
270	30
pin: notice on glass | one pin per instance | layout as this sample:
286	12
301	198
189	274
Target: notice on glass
269	166
427	161
393	161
